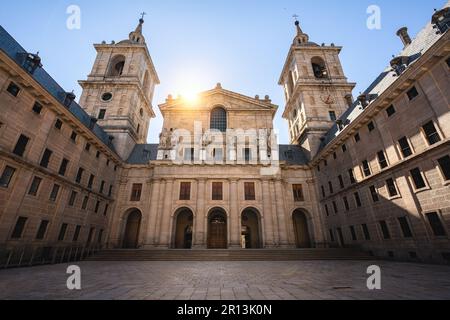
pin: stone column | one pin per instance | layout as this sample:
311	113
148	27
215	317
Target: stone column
273	206
281	212
268	215
317	217
235	221
200	228
164	231
153	213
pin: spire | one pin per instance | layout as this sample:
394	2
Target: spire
301	38
136	36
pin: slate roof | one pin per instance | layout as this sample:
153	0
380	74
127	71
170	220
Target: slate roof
145	153
423	41
17	53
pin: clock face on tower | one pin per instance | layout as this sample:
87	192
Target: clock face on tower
327	99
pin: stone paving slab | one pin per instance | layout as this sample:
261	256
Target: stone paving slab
305	280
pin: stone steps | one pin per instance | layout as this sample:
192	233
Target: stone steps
231	255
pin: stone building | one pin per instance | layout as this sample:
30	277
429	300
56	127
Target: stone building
372	173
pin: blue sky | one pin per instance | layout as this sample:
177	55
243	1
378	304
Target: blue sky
240	43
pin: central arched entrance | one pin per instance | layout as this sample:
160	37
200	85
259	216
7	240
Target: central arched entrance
251	235
132	230
184	224
217	229
302	236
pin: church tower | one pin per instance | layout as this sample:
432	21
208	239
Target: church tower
119	91
316	90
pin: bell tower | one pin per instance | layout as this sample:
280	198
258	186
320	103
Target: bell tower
316	90
119	90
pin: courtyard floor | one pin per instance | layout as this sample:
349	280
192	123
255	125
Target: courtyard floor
302	280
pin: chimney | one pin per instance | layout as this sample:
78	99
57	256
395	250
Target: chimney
404	36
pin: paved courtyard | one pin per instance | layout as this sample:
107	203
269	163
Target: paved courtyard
228	281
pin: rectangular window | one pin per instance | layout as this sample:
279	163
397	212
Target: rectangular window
79	175
436	224
97	155
448	62
87	147
353	233
35	186
62	232
189	154
37	108
327	210
431	133
136	192
85	203
405	147
371	126
357	200
19	228
444	164
417	178
392	189
185	191
357	137
102	186
54	193
42	230
105	211
297	190
21	145
366	168
344	148
346	205
382	160
91	181
91	234
366	232
7	176
412	93
385	230
330	186
76	234
332	115
247	154
102	114
73	197
217	191
46	158
335	207
73	136
110	191
331	235
351	174
249	188
404	225
323	191
390	111
63	167
97	206
341	182
58	124
334	155
374	194
13	89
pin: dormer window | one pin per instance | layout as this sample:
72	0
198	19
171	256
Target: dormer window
441	20
32	62
69	98
399	64
319	68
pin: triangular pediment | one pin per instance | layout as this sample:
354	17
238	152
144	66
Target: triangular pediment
220	97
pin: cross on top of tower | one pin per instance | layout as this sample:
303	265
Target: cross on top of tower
143	14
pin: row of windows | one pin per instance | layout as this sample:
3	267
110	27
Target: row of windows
433	219
41	233
217	191
416	175
37	108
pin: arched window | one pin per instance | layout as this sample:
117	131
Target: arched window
319	68
116	66
219	119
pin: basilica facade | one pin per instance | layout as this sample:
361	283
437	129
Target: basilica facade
371	173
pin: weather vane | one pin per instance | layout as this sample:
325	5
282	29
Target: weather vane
143	14
295	16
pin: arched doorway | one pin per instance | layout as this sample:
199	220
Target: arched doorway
184	222
251	235
132	230
302	236
217	230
